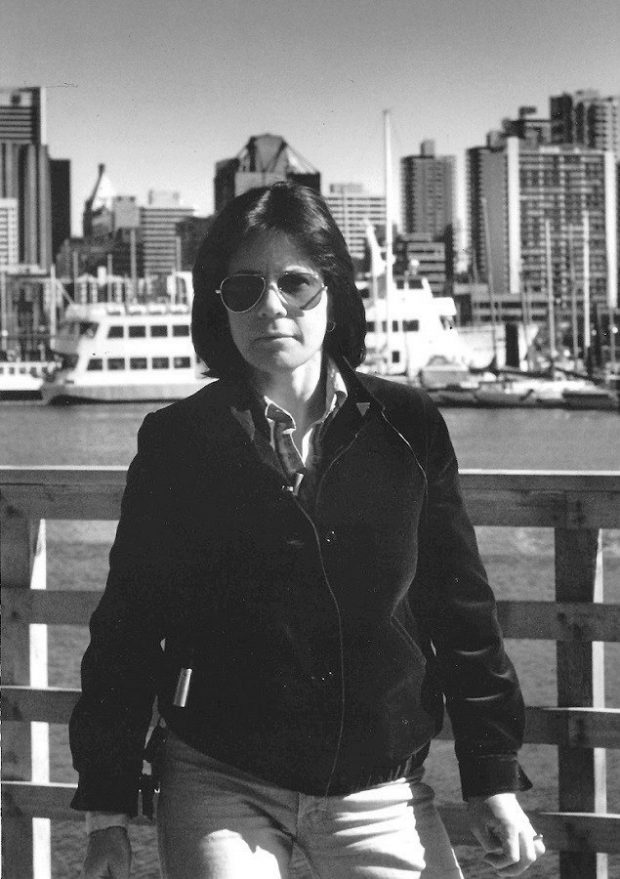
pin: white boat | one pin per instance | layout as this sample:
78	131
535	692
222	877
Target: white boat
22	379
114	352
422	327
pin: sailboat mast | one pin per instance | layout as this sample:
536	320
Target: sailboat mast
389	243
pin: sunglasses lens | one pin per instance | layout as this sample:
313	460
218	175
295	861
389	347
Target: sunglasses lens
299	288
241	292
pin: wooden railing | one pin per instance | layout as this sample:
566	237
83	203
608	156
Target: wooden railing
576	505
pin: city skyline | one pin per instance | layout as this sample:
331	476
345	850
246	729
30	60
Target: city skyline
159	93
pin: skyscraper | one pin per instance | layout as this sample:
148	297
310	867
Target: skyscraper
264	159
158	232
39	184
586	118
428	197
352	208
516	187
25	171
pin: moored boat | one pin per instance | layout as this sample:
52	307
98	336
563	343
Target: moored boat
114	352
22	379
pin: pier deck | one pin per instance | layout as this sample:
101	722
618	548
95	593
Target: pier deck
577	506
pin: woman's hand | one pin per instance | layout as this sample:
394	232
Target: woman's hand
503	830
108	855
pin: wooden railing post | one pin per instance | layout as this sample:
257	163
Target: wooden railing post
581	682
26	848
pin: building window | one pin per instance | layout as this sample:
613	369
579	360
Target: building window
395	356
180	330
181	362
95	364
116	332
411	326
137	332
116	363
137	363
159	330
370	326
161	363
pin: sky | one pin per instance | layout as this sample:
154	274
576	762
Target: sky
159	90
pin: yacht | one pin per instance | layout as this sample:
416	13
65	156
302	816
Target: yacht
122	352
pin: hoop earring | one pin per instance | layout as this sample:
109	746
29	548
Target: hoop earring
331	326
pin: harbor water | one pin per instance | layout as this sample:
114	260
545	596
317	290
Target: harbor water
519	563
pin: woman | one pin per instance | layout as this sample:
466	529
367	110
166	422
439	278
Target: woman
295	578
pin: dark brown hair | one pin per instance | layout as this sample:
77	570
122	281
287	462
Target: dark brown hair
302	214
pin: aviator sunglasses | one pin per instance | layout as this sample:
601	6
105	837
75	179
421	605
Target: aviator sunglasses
242	292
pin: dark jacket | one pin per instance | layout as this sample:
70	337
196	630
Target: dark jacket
325	632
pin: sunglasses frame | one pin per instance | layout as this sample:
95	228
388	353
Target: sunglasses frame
311	303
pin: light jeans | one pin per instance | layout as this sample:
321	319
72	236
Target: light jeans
216	822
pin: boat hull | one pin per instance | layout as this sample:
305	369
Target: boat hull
66	395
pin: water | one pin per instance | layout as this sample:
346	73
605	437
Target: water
519	562
545	439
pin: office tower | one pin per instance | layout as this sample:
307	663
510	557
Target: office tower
586	118
352	208
60	188
514	188
158	232
9	254
264	159
428	197
419	254
25	171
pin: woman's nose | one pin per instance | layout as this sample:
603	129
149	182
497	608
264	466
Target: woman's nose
271	301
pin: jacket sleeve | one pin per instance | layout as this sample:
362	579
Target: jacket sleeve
122	663
452	599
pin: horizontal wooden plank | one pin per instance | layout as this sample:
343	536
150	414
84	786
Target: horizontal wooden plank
51	705
565	831
570	727
560	621
49	606
506	498
546	620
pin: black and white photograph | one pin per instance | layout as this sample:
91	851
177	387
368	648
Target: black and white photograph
310	439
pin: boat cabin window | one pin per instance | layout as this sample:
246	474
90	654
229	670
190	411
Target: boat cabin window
161	363
395	356
180	330
138	331
95	364
370	326
181	362
116	363
411	326
159	330
116	331
137	363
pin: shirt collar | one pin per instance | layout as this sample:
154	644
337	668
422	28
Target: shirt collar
335	395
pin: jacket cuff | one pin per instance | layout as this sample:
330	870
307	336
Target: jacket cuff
485	776
104	792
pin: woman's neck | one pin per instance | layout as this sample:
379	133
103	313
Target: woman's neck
302	392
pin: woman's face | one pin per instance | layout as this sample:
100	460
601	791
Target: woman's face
275	337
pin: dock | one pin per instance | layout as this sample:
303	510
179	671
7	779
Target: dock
577	506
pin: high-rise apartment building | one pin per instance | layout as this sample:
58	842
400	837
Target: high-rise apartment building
586	118
25	171
428	197
353	208
40	185
158	232
514	188
264	159
9	253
